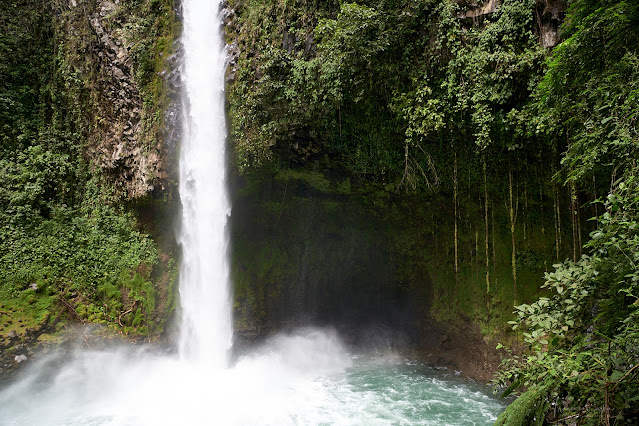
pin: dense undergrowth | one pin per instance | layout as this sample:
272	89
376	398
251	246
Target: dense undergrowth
582	358
68	247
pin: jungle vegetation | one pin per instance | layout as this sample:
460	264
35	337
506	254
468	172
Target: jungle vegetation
69	246
415	96
410	98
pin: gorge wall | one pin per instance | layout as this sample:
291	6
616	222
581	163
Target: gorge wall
404	171
388	175
355	206
311	248
116	49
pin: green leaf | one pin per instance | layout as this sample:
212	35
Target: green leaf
616	375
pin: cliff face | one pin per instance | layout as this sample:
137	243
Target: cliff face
319	248
389	173
85	182
119	53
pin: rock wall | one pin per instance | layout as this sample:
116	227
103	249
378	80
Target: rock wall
309	248
549	14
119	74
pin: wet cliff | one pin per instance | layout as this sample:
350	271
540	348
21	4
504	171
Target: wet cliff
320	248
120	53
391	175
354	204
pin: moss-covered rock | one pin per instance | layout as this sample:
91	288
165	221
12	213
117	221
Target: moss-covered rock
307	251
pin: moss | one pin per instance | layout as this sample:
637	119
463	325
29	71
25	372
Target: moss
344	187
313	179
24	310
527	409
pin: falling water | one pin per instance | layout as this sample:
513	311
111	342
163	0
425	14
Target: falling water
307	377
206	332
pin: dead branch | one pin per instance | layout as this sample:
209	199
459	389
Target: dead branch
70	308
128	311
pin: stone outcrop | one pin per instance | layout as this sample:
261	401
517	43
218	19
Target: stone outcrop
476	9
125	141
549	15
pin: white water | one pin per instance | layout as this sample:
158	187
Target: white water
206	331
304	378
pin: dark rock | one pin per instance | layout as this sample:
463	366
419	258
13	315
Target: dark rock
117	100
288	41
309	45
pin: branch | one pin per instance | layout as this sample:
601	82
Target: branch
128	311
624	376
70	308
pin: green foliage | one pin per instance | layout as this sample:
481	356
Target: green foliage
313	179
493	72
387	88
583	340
529	409
25	52
60	228
589	96
278	95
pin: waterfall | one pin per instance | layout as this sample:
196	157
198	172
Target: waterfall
303	377
206	328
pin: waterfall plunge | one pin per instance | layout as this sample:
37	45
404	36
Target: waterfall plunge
206	329
300	378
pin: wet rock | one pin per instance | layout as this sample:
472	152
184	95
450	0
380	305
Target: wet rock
227	12
117	100
21	349
479	9
309	45
288	41
551	15
20	358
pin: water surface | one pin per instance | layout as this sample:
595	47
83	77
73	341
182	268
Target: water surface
304	378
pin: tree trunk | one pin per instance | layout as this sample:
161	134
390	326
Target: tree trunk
557	217
573	221
525	207
593	205
578	223
492	220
